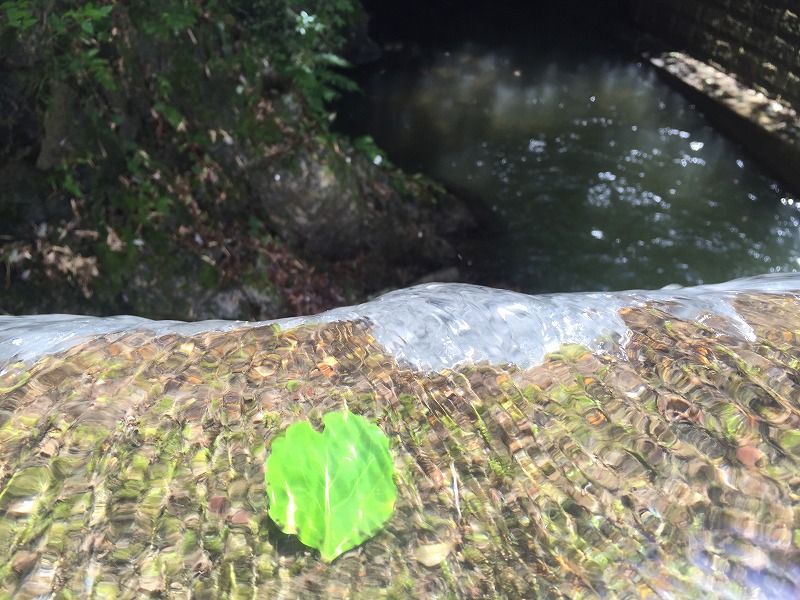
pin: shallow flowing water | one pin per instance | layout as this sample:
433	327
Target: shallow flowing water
590	173
659	461
439	326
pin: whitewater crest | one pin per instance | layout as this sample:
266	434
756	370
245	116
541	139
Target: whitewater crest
438	326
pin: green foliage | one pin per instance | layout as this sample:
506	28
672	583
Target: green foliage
333	489
303	44
18	14
164	57
160	84
67	36
367	145
152	94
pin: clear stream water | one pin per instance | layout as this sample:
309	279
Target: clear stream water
439	326
589	173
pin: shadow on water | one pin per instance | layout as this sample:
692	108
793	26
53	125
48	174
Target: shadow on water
588	172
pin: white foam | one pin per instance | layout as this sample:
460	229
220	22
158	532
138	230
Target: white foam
436	326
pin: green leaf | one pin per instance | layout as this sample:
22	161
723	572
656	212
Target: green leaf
333	489
172	114
334	59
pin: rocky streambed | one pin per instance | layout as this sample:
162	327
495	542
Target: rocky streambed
659	463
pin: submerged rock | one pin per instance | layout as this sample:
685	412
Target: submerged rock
660	458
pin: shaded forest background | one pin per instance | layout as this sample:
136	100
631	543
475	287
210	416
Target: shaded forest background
176	160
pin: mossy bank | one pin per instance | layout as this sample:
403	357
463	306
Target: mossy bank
176	160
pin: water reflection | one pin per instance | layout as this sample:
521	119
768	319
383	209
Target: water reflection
594	175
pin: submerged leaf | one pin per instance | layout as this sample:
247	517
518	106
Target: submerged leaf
333	489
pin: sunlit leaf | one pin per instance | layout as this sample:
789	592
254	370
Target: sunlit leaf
333	489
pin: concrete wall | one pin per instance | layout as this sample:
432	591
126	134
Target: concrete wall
758	41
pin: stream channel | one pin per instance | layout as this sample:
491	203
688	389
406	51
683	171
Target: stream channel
586	170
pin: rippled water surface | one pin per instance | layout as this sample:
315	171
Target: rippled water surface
438	326
661	464
591	174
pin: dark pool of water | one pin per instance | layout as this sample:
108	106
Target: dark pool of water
589	173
